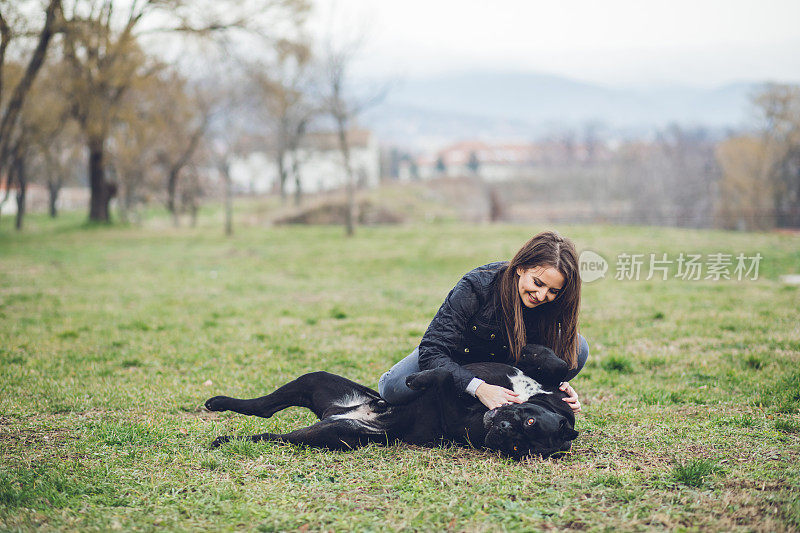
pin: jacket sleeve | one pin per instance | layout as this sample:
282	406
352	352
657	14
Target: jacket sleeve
440	342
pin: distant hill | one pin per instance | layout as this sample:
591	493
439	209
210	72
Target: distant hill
529	105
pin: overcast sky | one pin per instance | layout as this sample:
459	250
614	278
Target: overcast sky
612	42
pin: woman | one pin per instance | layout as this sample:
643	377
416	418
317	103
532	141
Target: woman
493	312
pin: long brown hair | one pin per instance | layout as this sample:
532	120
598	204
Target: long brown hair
557	321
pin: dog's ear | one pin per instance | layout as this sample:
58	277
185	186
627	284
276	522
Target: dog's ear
566	431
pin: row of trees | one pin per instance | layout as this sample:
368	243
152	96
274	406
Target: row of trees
690	177
89	94
92	85
760	188
746	180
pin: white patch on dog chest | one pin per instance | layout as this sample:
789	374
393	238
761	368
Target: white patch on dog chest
362	413
351	400
359	409
363	417
526	386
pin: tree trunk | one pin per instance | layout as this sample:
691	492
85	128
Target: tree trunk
175	168
172	185
226	175
125	194
22	182
53	187
298	191
281	176
350	189
101	190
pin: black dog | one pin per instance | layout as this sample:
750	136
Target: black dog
352	415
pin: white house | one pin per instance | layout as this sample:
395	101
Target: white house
320	161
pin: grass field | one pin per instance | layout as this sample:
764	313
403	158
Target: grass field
111	338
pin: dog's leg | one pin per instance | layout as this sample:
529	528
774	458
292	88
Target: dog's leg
318	391
328	433
451	404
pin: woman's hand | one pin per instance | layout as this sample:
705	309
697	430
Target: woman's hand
493	396
572	398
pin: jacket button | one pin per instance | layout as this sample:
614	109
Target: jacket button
491	336
505	347
466	350
474	328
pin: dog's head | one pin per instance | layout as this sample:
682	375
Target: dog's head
543	365
518	430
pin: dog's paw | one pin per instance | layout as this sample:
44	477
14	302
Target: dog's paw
217	403
219	441
379	406
427	379
416	382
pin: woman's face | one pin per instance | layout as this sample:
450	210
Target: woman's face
539	285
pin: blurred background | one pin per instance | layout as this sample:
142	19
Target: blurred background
355	112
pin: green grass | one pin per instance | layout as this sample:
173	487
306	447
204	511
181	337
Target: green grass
112	337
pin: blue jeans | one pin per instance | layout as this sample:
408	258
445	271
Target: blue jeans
392	384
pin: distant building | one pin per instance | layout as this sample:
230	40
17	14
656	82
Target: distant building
321	164
502	161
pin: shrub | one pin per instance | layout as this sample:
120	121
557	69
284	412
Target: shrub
782	395
618	363
695	471
787	426
742	421
338	314
753	361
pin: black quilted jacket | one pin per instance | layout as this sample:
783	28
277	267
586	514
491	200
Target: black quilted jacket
468	327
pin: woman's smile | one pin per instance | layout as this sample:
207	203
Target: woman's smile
538	285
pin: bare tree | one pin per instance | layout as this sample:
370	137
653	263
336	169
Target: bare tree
36	140
745	200
12	106
284	88
60	161
19	154
778	109
344	107
760	186
132	147
104	63
226	136
690	175
184	120
52	134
